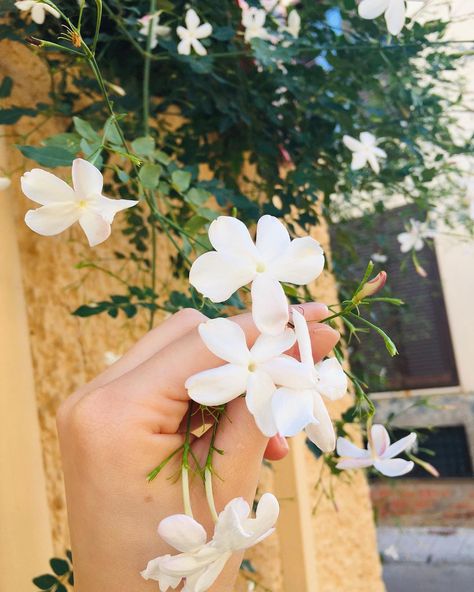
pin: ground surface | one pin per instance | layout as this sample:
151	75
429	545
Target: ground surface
415	577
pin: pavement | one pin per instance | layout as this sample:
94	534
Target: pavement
428	559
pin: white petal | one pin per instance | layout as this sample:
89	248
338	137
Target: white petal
321	434
153	571
407	241
359	160
272	238
260	390
394	467
263	524
183	34
399	446
45	188
346	448
38	14
217	385
229	533
203	31
86	178
52	219
269	305
182	532
267	347
292	410
218	275
395	16
374	163
288	372
226	340
379	152
96	228
352	143
198	47
192	19
332	379
302	263
184	47
229	235
368	139
107	207
303	338
25	4
51	10
354	463
380	439
210	574
371	9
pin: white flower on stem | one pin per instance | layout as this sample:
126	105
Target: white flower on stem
5	183
152	21
254	371
38	10
63	205
381	457
394	11
199	562
414	237
274	258
253	21
294	24
297	409
192	33
365	150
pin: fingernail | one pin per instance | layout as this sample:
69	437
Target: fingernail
282	442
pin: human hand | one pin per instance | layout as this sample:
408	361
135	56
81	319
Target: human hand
115	429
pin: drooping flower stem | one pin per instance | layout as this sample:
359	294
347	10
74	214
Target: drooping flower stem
210	493
208	468
185	467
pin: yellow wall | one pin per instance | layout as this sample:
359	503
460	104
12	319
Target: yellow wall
67	351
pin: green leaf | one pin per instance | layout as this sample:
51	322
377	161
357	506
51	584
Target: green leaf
68	141
48	156
13	114
195	224
6	87
150	175
144	146
59	566
223	33
197	196
162	157
85	130
89	310
180	180
60	588
45	582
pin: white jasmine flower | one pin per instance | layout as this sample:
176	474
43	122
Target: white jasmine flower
414	237
392	553
365	151
255	371
394	11
274	258
192	33
38	10
5	183
297	409
152	21
379	258
294	24
253	21
381	457
200	563
63	205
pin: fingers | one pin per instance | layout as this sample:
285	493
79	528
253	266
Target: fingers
277	448
163	375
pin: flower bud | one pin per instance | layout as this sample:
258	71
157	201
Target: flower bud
371	287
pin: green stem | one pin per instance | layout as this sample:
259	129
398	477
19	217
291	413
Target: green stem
147	69
98	21
153	474
185	468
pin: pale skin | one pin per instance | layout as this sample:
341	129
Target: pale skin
118	427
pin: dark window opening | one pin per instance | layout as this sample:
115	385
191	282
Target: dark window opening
420	328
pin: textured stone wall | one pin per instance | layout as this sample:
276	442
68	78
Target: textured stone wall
67	351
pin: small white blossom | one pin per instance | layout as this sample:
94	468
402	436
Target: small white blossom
152	21
238	261
379	257
200	563
5	183
255	372
63	205
381	457
38	10
414	237
392	553
253	21
192	33
365	151
294	24
394	11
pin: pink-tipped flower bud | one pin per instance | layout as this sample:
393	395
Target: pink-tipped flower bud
372	286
